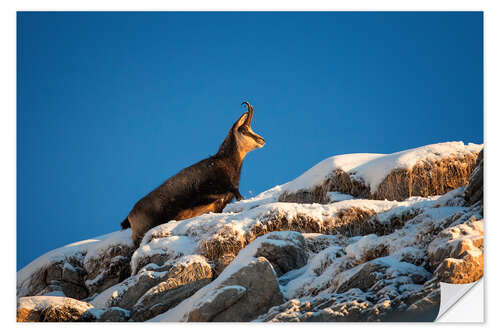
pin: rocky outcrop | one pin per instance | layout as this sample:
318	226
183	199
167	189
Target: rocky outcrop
50	309
339	259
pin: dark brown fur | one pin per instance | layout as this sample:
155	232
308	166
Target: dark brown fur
207	186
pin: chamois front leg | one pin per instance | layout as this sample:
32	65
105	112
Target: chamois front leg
237	194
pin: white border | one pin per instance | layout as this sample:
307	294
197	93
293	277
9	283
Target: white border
8	138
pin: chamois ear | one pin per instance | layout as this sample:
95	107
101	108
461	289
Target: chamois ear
240	121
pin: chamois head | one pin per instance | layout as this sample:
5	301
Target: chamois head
241	139
246	139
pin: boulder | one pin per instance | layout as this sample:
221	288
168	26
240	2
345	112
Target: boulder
50	309
244	295
285	250
222	299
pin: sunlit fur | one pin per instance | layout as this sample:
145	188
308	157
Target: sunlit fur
207	186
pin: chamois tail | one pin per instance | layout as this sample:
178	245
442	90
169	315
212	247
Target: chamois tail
125	224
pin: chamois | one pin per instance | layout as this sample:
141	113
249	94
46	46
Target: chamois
207	186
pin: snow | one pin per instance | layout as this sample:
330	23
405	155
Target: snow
358	249
318	173
337	196
122	237
237	288
263	198
108	296
39	303
173	246
464	235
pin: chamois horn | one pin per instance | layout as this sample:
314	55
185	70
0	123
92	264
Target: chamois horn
250	113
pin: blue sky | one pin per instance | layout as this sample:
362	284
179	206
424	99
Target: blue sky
111	104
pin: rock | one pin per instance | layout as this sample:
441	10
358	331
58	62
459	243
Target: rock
182	282
474	190
316	243
363	277
107	267
377	274
62	278
221	262
223	298
244	295
468	269
113	314
285	250
457	252
423	305
50	309
126	294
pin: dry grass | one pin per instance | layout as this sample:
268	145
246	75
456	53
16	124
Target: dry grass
424	179
224	246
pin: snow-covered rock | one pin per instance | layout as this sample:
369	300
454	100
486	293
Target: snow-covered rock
368	239
186	270
108	262
112	314
457	252
285	250
67	271
50	308
184	279
429	170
